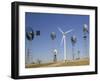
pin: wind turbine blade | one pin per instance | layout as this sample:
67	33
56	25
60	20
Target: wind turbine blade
68	31
60	30
62	40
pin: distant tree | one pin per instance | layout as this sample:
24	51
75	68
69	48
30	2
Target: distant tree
33	62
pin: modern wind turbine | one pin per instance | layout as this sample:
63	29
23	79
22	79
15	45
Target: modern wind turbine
64	40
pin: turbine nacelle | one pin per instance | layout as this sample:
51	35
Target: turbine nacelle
64	33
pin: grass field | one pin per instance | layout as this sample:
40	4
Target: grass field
79	62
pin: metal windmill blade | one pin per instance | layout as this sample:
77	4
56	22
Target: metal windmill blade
85	28
29	34
53	35
73	39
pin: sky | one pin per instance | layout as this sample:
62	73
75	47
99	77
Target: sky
41	46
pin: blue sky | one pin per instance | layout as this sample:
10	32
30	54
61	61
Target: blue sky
42	45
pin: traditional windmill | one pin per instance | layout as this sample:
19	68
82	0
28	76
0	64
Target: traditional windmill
30	35
53	36
85	32
73	40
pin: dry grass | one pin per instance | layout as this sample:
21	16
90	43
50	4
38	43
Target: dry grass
37	65
79	62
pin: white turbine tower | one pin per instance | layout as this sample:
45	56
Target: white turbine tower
64	40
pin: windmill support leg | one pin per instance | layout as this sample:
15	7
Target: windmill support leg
28	56
55	58
85	45
73	52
